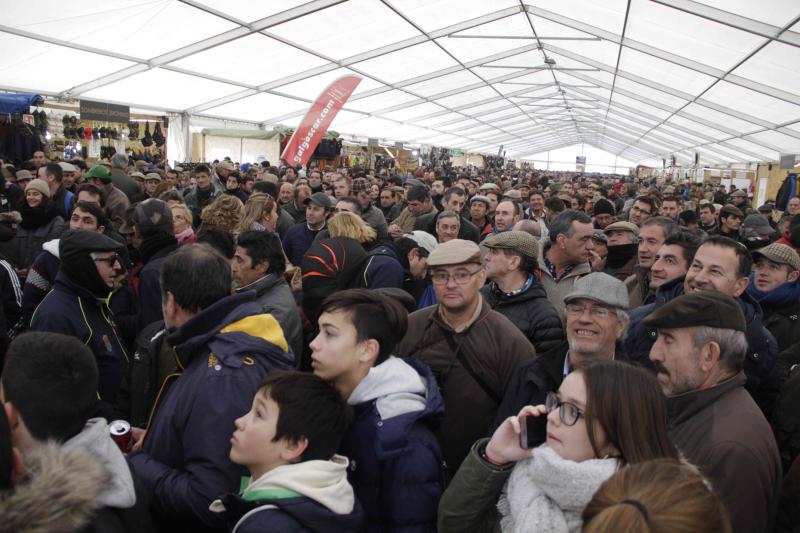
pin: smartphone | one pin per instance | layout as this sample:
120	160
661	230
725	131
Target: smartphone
534	430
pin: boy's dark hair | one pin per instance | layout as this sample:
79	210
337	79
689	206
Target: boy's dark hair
264	246
687	241
373	315
92	189
93	209
51	379
197	275
308	407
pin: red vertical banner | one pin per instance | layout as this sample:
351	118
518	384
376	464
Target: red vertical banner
306	137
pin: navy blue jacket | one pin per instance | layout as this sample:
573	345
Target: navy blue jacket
222	353
297	241
150	287
396	466
290	515
381	269
762	348
73	310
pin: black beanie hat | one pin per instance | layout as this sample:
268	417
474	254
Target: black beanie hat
603	207
74	249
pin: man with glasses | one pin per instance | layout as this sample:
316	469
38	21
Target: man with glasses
472	350
641	210
596	309
78	305
699	357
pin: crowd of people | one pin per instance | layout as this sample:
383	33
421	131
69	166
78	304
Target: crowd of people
317	349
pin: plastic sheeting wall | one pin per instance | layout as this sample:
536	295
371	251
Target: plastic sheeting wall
241	150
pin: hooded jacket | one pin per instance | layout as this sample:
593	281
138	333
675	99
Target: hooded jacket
73	310
306	496
123	502
381	269
395	462
40	279
58	491
721	430
530	311
276	298
154	250
762	349
221	355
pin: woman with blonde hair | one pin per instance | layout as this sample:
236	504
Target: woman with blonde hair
656	496
260	213
347	224
182	224
224	212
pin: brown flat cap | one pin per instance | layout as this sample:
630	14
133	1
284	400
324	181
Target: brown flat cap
704	308
779	253
455	252
729	209
622	225
518	241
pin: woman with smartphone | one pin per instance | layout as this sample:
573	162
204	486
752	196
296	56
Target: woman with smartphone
604	416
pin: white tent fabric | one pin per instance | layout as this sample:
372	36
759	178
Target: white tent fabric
642	80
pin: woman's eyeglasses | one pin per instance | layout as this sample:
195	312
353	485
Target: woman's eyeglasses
569	413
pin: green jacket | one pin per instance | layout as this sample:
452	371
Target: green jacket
470	502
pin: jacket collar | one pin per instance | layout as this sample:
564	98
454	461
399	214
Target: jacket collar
685	406
261	285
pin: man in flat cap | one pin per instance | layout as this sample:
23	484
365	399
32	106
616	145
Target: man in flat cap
472	350
596	309
730	222
78	304
774	285
714	422
623	245
516	292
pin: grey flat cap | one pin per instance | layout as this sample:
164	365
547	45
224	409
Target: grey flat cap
601	288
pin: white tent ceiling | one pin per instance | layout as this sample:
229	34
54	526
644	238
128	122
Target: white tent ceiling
641	79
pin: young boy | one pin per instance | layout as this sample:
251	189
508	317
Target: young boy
395	461
288	441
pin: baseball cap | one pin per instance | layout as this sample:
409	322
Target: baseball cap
423	239
99	171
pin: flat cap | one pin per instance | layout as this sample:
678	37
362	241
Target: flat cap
728	210
518	241
67	167
600	288
705	308
359	185
227	165
83	241
480	198
137	175
455	252
598	235
319	198
739	193
270	177
488	187
757	224
24	175
779	253
397	188
622	225
766	208
513	194
414	182
152	176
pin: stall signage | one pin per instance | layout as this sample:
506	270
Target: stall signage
90	110
306	137
373	143
455	151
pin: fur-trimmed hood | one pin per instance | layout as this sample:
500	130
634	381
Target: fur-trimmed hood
58	492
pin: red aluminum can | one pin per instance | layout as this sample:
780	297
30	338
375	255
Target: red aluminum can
121	433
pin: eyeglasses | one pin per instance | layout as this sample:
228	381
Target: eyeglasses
594	312
461	277
568	413
110	260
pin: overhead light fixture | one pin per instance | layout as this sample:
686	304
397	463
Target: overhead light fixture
549	61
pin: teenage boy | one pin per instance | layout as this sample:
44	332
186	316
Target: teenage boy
288	442
396	465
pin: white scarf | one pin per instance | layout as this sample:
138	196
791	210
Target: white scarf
547	494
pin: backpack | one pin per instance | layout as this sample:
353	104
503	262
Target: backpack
328	266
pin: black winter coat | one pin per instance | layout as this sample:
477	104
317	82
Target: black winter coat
531	312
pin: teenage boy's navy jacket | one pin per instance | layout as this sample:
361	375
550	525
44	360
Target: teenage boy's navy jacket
222	353
289	515
396	466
